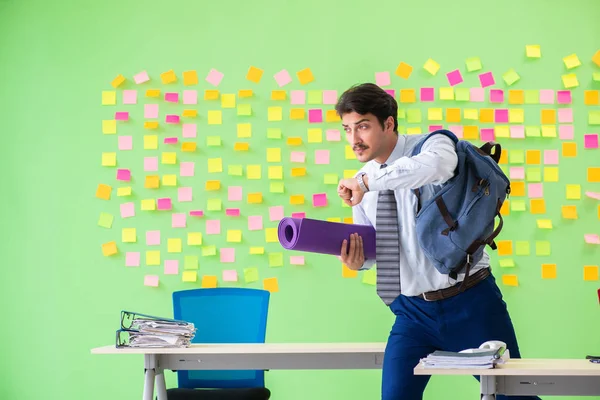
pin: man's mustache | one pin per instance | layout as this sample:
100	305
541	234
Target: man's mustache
360	146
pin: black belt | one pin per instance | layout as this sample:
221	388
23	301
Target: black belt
454	290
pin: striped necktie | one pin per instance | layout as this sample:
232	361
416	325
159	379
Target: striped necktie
387	246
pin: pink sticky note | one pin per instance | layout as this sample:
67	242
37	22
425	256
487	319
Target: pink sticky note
454	77
501	115
282	78
125	142
517	132
150	110
189	130
435	127
477	94
190	97
214	77
171	267
566	132
591	238
319	199
298	156
152	238
565	115
123	175
550	157
132	259
487	134
151	280
178	220
232	212
275	213
299	215
213	226
164	203
255	222
141	77
333	135
535	190
184	194
170	140
487	79
321	156
563	97
497	96
297	260
329	96
196	213
127	210
122	115
129	96
234	193
517	172
590	141
391	92
546	96
186	168
227	255
382	78
427	94
230	275
298	97
593	195
172	97
457	129
315	115
172	119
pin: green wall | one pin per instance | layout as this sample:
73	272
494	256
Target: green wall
61	296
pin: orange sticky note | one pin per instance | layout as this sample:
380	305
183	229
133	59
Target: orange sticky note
505	247
209	281
254	198
596	58
533	157
332	116
486	115
591	97
404	70
271	285
548	116
151	125
593	174
348	273
548	271
348	220
569	149
305	76
453	115
168	77
152	182
118	81
590	273
516	97
213	185
103	191
278	95
503	157
408	96
537	206
190	78
153	93
188	146
241	146
510	280
299	171
243	93
569	212
211	94
294	141
297	199
517	188
505	209
471	132
254	74
109	249
297	113
190	113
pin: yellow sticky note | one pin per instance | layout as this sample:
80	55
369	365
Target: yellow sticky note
274	114
234	235
274	154
169	158
254	198
350	173
297	113
446	93
505	247
271	235
194	238
305	76
506	263
211	94
109	98
124	191
244	130
209	282
348	273
109	127
150	124
128	235
294	141
257	250
190	78
502	131
190	113
315	135
516	115
253	171
152	182
434	114
431	66
510	280
227	100
188	146
168	77
213	185
235	170
214	204
215	165
571	61
590	273
593	174
109	159
118	81
573	192
189	276
150	142
404	70
103	191
570	81
276	172
153	93
278	95
548	271
215	117
271	285
174	245
299	171
330	179
544	223
241	146
416	130
550	174
244	110
109	249
153	257
533	51
297	199
148	205
549	131
349	153
471	114
169	180
254	74
569	212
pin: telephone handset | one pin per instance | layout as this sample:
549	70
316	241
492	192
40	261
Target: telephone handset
492	345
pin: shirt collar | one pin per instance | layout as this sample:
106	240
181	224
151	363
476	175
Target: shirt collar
396	153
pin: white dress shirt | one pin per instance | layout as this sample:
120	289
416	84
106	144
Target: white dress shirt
433	166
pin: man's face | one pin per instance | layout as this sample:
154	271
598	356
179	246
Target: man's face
365	134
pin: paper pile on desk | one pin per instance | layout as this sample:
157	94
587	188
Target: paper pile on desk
448	359
141	330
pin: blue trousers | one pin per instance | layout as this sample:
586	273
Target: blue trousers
463	321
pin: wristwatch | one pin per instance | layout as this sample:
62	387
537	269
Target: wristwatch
361	183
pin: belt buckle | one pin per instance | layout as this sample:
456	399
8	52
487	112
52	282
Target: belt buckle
424	294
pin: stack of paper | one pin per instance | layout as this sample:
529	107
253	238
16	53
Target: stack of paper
482	359
140	330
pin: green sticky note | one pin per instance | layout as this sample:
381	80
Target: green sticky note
594	117
370	276
250	274
214	204
522	248
533	174
105	220
401	113
274	133
210	250
314	97
213	141
510	76
462	94
533	131
516	156
473	64
275	259
190	262
542	248
401	129
532	96
413	116
517	205
244	109
330	179
235	170
507	263
596	76
276	187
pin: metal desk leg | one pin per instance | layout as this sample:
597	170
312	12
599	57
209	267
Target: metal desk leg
488	387
161	386
150	373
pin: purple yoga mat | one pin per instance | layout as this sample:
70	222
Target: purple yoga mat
315	236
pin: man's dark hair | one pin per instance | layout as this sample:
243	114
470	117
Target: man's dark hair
368	98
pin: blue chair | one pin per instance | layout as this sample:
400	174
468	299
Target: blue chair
222	315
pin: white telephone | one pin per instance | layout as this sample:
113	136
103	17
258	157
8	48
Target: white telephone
491	345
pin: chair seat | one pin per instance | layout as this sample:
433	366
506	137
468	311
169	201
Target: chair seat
219	394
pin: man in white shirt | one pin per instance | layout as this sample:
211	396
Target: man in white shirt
431	313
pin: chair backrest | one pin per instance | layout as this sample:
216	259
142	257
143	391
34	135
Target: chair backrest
223	315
